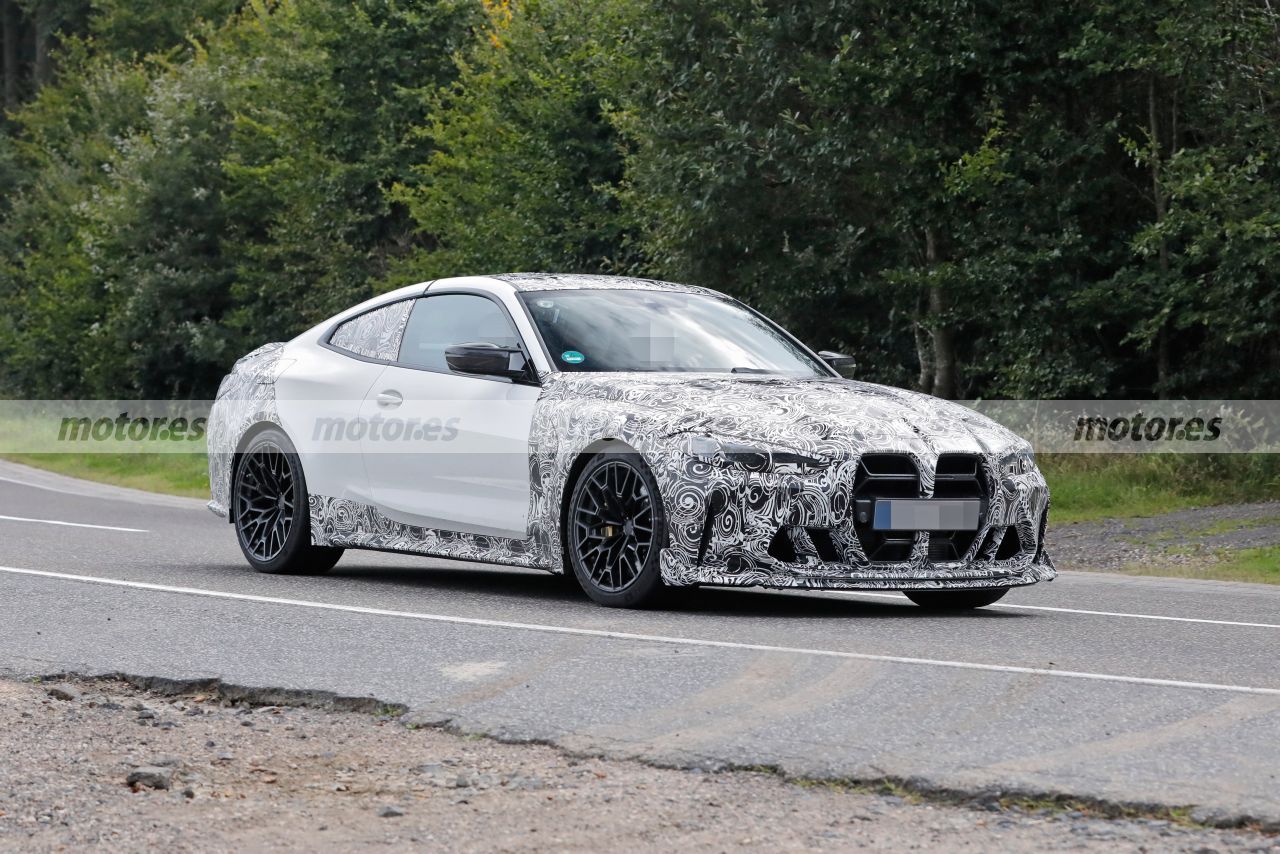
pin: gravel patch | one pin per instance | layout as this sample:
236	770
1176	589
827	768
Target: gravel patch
118	768
1181	538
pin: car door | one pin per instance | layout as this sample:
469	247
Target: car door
446	450
320	396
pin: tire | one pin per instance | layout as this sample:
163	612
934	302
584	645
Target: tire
616	528
269	510
955	600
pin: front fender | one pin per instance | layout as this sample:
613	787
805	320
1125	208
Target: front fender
246	397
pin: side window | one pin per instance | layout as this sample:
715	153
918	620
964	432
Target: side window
374	334
438	322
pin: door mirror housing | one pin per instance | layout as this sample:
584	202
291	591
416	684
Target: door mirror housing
487	360
838	361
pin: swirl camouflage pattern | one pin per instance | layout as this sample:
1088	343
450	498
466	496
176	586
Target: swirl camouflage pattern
375	334
245	398
724	520
348	524
831	447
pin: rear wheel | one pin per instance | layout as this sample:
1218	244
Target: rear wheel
269	509
955	600
616	528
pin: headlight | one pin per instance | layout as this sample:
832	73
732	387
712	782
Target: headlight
1016	463
751	456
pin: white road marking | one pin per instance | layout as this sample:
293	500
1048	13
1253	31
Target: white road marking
665	639
72	524
40	486
1082	611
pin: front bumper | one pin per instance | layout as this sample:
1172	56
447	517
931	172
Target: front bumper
726	528
837	576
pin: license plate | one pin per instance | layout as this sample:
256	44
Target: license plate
927	514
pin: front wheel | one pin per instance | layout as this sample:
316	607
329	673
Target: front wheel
269	509
955	600
616	528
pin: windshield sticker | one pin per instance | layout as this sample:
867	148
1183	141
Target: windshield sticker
572	357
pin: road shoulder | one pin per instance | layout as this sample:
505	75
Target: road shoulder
53	482
219	765
1228	543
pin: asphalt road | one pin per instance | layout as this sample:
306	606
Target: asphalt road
1138	690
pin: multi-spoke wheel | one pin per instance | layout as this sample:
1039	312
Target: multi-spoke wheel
264	501
615	529
269	509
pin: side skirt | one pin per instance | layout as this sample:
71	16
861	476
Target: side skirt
350	524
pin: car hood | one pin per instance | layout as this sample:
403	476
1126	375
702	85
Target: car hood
822	415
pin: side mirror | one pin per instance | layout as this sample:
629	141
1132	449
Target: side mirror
488	360
838	360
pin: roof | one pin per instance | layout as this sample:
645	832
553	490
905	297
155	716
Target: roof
578	281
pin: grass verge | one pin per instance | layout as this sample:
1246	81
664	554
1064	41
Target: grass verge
174	474
1089	487
1258	566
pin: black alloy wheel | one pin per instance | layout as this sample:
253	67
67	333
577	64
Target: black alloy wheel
265	508
269	509
616	530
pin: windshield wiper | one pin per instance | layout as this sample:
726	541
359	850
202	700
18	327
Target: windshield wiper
750	371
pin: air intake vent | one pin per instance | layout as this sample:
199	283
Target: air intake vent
957	476
885	476
781	548
1044	529
790	545
826	546
1011	545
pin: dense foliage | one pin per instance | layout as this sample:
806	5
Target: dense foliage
974	198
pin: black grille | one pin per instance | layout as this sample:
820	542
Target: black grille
885	476
958	476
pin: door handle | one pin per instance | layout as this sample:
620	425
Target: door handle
389	399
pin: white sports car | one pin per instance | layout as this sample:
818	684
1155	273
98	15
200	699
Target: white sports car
640	435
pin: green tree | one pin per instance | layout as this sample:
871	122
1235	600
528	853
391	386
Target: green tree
320	134
957	192
526	164
976	198
52	301
1197	104
240	202
129	29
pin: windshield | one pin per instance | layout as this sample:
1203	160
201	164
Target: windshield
624	330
